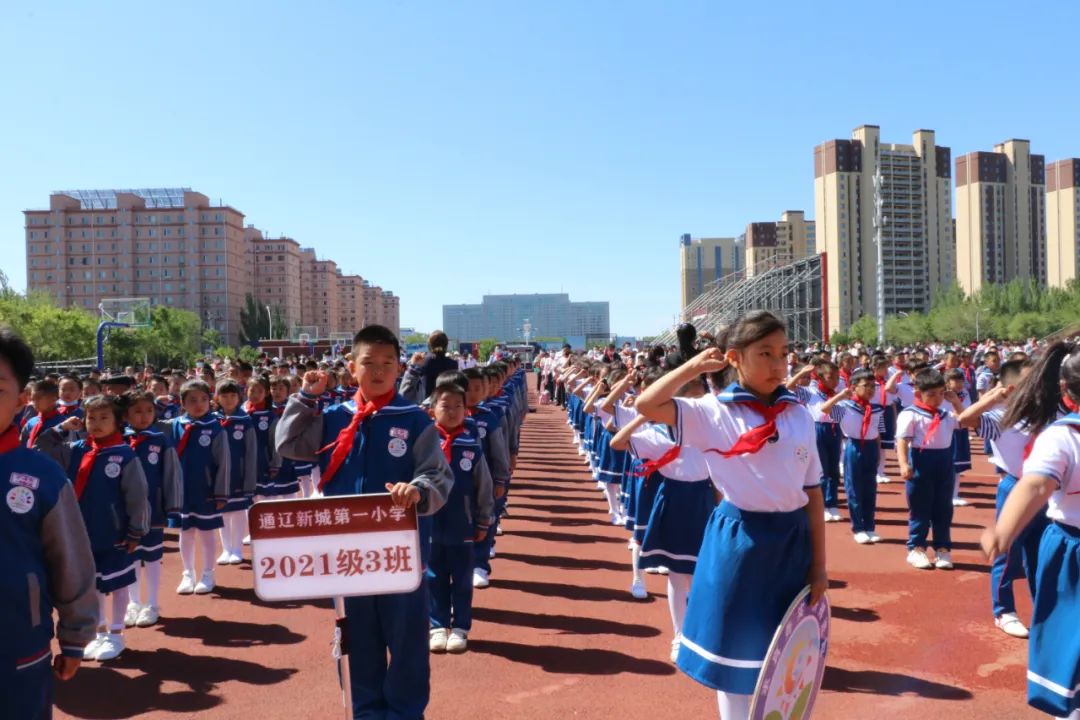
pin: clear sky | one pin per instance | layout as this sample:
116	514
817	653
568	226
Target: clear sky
447	149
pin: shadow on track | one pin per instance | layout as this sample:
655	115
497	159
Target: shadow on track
572	661
874	682
229	633
565	624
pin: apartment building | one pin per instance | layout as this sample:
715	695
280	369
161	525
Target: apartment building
275	264
1001	231
1062	221
773	244
705	261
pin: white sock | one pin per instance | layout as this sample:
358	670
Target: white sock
612	494
103	611
152	575
135	591
733	706
187	550
225	531
956	488
239	531
119	607
678	592
208	544
635	556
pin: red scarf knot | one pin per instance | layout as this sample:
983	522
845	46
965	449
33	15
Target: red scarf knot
651	466
250	407
343	443
39	426
448	437
934	424
86	464
751	441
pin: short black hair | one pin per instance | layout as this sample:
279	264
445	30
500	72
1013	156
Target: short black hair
46	387
955	374
859	375
454	376
117	403
376	335
929	379
1012	369
474	373
228	385
194	386
446	385
73	378
18	355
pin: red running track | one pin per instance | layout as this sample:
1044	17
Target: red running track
557	635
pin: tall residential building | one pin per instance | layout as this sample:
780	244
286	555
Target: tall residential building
276	272
917	239
772	244
319	300
350	290
390	311
703	261
1062	222
1000	216
170	245
502	317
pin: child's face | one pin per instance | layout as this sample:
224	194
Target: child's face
449	410
90	389
11	395
228	401
955	385
256	393
69	391
100	422
864	390
158	388
376	369
762	365
828	377
477	392
141	415
933	397
174	384
44	402
279	392
196	403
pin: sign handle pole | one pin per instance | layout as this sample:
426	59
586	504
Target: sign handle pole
341	654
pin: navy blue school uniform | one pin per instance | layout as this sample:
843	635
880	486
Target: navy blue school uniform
861	456
828	443
164	487
757	551
398	443
243	459
203	449
45	565
37	425
682	505
961	447
112	501
263	420
887	427
496	451
1054	645
469	510
930	489
167	409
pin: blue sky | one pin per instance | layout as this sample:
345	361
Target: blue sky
448	149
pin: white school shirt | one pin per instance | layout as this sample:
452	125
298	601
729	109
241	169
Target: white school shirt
984	378
815	399
965	400
650	442
1007	446
623	415
906	394
775	478
1056	455
851	415
913	424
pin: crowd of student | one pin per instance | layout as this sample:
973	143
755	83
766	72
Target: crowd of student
723	458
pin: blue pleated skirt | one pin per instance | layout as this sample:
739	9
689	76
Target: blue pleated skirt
676	525
961	450
1054	646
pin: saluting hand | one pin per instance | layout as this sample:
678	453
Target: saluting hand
712	360
314	382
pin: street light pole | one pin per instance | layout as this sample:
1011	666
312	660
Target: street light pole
270	319
879	224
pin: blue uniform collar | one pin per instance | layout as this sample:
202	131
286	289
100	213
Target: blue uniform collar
735	393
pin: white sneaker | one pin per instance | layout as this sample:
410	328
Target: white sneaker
638	589
437	640
491	553
943	560
653	570
835	512
132	614
223	558
91	650
247	539
205	584
457	642
480	578
917	558
662	570
498	530
959	502
236	558
675	645
111	647
1011	625
874	537
148	616
883	480
862	538
187	584
630	545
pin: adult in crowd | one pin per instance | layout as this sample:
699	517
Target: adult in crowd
423	369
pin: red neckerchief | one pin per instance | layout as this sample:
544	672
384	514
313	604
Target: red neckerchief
137	439
86	464
845	375
754	439
9	440
867	413
343	443
934	424
42	417
884	390
63	409
250	407
448	437
652	466
184	439
826	392
1069	403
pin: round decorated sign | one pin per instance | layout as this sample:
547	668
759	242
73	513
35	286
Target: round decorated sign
791	675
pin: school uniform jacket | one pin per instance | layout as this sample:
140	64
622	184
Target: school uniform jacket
470	507
399	443
205	461
161	466
45	564
243	453
493	438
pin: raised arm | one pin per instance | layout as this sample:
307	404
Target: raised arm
970	417
657	403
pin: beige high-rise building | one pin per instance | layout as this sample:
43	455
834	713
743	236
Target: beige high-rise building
350	290
170	245
1000	216
1062	222
704	261
917	239
320	311
772	244
276	269
390	311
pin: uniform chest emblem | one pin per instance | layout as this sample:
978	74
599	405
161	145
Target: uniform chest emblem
205	439
802	454
466	464
20	500
397	447
396	432
24	480
112	470
152	457
264	424
238	434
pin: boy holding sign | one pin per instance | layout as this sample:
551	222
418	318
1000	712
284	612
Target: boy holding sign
376	443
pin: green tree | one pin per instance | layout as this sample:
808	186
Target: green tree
484	348
864	330
415	339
